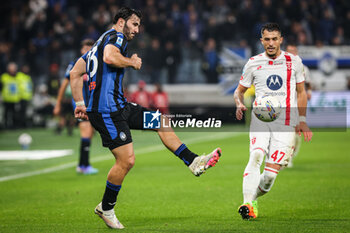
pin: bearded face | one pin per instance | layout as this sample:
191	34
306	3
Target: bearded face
272	43
131	27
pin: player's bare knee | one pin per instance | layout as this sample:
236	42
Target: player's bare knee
131	162
127	162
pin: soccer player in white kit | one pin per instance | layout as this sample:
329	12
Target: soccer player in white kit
278	74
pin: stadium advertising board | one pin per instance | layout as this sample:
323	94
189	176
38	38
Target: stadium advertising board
329	66
232	61
329	109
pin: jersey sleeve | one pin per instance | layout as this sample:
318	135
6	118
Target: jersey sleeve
247	75
69	68
299	70
84	57
117	40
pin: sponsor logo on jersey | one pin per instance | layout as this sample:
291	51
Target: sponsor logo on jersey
275	63
276	93
274	82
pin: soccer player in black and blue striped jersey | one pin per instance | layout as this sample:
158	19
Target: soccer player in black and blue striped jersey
113	117
86	130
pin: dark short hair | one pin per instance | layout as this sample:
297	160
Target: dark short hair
125	13
292	44
270	27
87	42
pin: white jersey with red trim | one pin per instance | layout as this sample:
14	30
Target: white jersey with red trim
276	77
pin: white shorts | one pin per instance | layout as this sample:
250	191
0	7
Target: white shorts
276	141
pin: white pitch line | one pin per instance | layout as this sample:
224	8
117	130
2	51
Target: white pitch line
33	154
155	148
38	172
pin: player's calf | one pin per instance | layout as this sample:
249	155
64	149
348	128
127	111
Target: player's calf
267	180
251	176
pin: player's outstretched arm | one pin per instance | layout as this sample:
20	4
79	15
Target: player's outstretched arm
76	83
238	97
60	94
302	127
113	57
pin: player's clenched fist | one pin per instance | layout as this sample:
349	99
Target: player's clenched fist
80	113
137	62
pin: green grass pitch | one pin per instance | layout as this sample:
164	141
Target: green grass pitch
161	195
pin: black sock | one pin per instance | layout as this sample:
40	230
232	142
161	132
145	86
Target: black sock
110	196
84	152
185	154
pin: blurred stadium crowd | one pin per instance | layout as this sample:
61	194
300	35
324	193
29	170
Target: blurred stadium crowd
179	41
46	34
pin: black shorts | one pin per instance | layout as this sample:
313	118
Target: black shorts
114	127
80	120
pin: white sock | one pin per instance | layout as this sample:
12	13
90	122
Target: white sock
296	146
251	177
267	179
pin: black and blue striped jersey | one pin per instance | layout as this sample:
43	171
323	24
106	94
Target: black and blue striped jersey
85	83
105	82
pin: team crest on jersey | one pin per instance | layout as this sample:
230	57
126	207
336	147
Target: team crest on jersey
119	41
122	136
289	65
274	82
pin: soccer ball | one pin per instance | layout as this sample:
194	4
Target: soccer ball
25	140
267	108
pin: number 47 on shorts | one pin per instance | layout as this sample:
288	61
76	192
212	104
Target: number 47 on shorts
277	156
